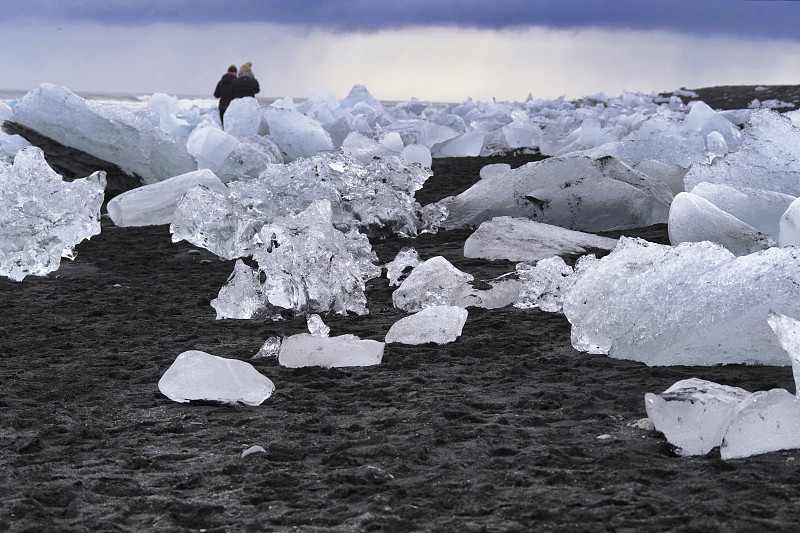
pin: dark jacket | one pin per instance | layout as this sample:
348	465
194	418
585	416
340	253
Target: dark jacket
244	86
224	92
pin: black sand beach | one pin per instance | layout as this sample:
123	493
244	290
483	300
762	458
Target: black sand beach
498	431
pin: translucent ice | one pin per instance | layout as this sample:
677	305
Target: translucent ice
521	239
197	375
577	193
330	352
270	348
544	284
42	218
788	331
154	204
695	219
241	297
463	145
316	326
439	324
295	134
406	257
789	225
694	304
243	118
210	146
766	421
693	414
433	282
417	153
134	142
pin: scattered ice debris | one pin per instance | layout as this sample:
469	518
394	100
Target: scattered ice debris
253	449
375	197
577	193
521	239
154	204
305	265
440	324
132	140
197	375
694	413
405	258
42	217
604	437
694	304
316	326
433	282
692	218
305	349
270	348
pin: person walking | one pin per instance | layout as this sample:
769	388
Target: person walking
245	83
223	90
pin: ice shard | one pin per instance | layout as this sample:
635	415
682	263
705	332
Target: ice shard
196	376
305	349
405	258
788	331
42	217
693	414
439	324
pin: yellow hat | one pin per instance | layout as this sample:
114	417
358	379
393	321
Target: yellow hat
246	67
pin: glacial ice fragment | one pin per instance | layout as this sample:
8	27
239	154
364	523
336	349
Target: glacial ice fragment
316	326
270	348
693	414
305	349
241	297
694	304
295	134
788	331
243	118
154	204
42	217
766	421
197	375
544	284
521	239
789	225
440	324
406	257
433	282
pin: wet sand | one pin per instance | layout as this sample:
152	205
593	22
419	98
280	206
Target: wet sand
498	431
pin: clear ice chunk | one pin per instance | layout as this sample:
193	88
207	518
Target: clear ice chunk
433	282
42	217
304	349
521	239
788	331
243	117
316	326
197	375
544	285
406	257
270	348
766	421
440	324
694	413
296	135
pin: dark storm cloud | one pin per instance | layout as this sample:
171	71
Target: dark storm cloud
746	18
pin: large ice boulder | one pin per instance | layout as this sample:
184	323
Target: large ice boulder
199	376
295	134
305	265
694	304
154	204
692	218
304	350
210	146
133	141
439	324
577	193
42	217
243	117
521	239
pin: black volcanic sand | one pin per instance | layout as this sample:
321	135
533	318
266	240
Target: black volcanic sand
497	431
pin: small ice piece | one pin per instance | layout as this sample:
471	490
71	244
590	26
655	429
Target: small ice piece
270	348
242	118
504	290
521	239
417	153
788	331
241	297
197	375
43	218
305	349
433	282
316	326
766	421
253	449
210	146
694	413
154	204
544	285
407	257
296	134
440	324
695	219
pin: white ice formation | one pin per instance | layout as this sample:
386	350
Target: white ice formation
243	117
305	349
576	193
521	239
196	375
433	282
42	217
134	141
296	134
316	326
305	265
694	304
154	204
439	324
378	197
405	258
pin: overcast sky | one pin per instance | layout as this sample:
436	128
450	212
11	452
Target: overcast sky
443	50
